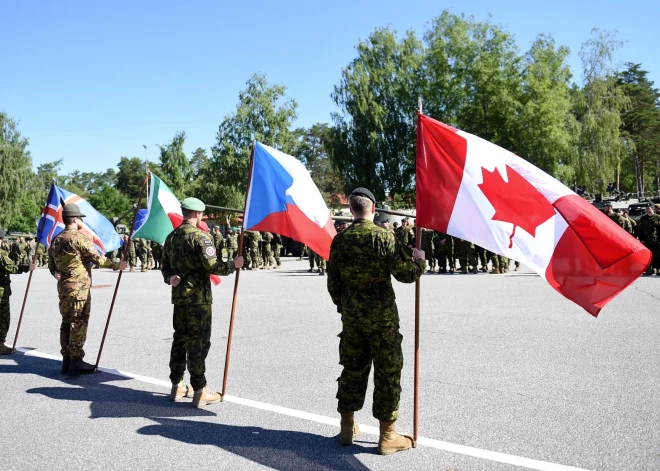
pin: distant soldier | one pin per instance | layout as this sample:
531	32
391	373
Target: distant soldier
276	246
255	250
189	255
467	256
363	259
648	231
41	250
482	257
157	252
150	254
72	256
247	255
142	249
616	217
427	246
312	260
267	250
219	241
232	243
444	252
7	267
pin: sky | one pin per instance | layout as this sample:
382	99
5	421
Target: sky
90	82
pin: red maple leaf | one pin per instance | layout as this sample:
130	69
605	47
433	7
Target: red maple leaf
517	202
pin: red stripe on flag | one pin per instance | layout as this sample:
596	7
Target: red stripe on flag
441	155
594	259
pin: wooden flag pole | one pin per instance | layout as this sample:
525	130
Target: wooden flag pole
123	258
34	261
238	273
418	243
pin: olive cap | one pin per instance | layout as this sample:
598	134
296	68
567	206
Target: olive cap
71	210
193	204
364	192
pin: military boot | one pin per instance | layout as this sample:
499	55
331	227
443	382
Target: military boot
204	397
66	362
321	272
390	442
475	270
179	391
5	350
494	271
80	367
517	268
464	270
349	429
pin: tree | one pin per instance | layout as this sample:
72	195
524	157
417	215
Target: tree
641	125
311	150
263	113
546	128
15	170
175	165
199	163
130	176
598	109
372	142
110	202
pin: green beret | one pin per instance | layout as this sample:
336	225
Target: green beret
193	204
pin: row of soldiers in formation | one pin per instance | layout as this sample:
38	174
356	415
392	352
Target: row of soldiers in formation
21	251
646	229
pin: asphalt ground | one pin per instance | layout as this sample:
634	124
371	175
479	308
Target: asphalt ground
510	371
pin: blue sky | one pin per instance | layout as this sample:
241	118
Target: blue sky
92	81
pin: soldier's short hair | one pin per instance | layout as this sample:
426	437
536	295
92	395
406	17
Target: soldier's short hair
68	221
361	205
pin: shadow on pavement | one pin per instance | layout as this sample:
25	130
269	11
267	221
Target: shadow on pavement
106	400
278	449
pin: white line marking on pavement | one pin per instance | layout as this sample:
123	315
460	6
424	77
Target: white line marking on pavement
437	444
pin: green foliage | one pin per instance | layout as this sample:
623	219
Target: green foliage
310	148
372	143
263	113
15	171
175	165
109	201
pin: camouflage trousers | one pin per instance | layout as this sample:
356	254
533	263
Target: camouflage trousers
430	255
191	343
500	261
4	317
73	331
445	254
144	260
467	255
255	256
358	348
267	255
316	259
232	252
482	256
277	249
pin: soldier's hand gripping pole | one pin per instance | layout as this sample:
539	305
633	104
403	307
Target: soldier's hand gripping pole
238	273
123	258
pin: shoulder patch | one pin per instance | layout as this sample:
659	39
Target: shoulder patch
210	251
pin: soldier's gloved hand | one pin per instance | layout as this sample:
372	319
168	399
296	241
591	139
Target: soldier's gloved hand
175	280
238	262
419	254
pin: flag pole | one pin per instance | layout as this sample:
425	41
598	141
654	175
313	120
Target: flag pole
123	258
418	243
34	260
238	273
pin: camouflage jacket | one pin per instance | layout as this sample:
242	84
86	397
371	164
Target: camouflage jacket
218	240
190	253
363	259
428	237
72	255
277	240
267	237
648	229
8	267
232	241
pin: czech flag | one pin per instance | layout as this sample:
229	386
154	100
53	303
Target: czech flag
97	228
283	199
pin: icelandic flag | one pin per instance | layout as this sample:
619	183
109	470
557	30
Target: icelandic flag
97	229
283	199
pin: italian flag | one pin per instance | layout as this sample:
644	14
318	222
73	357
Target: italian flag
163	213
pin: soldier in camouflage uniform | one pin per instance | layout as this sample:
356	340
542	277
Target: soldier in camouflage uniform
72	256
142	251
255	250
189	257
428	237
467	256
362	260
648	231
482	257
232	243
276	245
312	260
267	250
7	267
444	252
247	255
157	252
616	217
219	241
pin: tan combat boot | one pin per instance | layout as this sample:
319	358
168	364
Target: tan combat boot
5	350
494	271
205	397
349	429
179	391
390	442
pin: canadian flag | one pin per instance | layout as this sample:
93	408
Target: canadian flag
470	188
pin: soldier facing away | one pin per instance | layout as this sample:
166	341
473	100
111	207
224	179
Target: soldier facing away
362	260
7	267
189	257
71	257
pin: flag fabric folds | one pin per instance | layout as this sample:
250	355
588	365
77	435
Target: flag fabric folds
163	213
96	227
162	216
470	188
282	198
